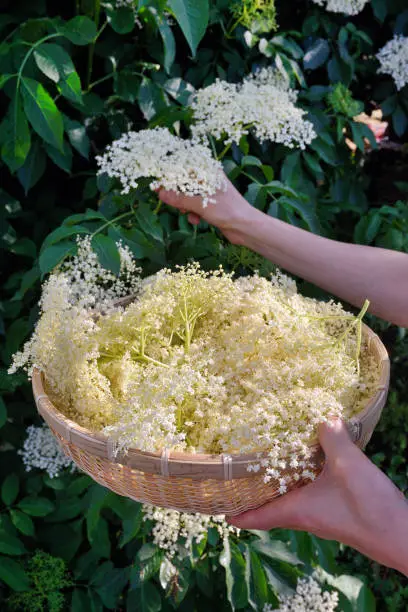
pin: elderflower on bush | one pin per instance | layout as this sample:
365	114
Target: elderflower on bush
262	104
309	597
200	361
176	532
348	7
172	162
393	58
42	451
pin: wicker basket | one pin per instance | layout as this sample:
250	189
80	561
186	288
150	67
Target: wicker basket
210	484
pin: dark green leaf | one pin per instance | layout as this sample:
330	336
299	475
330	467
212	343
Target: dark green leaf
145	599
399	121
317	54
275	549
169	43
10	545
13	574
255	580
9	489
18	141
33	168
107	252
3	412
233	562
122	19
54	254
65	231
180	90
131	528
36	506
57	65
80	30
62	159
42	112
147	565
192	17
22	522
148	221
80	601
151	99
306	210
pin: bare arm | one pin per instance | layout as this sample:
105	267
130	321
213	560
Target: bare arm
352	272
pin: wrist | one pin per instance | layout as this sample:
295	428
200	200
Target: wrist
244	221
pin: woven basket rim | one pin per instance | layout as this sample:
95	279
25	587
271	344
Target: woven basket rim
188	464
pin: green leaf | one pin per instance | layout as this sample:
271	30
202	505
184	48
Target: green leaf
54	254
77	136
36	506
22	522
17	145
56	64
255	580
144	599
33	168
42	112
151	98
80	30
169	44
399	121
278	187
275	550
192	17
10	545
306	210
121	19
13	574
131	528
148	221
317	54
3	412
233	562
111	585
355	590
65	231
9	489
147	564
61	159
180	90
107	252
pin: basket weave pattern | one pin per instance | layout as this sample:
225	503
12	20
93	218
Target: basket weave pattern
210	484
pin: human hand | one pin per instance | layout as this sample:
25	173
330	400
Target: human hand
229	213
352	502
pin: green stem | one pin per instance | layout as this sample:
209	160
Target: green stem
111	222
91	50
158	207
99	81
28	55
224	151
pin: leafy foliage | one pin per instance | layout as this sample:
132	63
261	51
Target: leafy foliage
75	76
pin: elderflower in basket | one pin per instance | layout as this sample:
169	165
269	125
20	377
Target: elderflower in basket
198	391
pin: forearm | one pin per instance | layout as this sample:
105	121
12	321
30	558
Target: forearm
352	272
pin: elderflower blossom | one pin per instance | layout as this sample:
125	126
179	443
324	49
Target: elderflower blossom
42	451
348	7
176	532
308	597
172	162
393	58
199	362
262	104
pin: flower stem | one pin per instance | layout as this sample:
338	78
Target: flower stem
91	50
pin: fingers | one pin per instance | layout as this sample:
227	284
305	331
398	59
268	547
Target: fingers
172	198
282	512
335	440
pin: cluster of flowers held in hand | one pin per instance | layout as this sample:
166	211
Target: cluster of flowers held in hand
263	105
199	362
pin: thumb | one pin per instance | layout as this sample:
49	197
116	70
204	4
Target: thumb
335	439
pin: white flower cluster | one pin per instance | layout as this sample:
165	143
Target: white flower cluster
175	532
393	58
262	104
172	162
309	597
348	7
42	451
